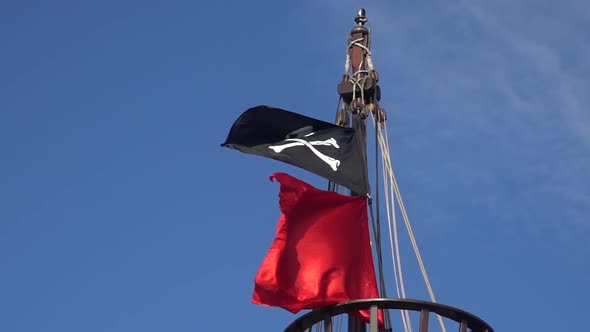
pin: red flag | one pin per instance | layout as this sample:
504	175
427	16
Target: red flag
321	254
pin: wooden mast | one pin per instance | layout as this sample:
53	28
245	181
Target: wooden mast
355	102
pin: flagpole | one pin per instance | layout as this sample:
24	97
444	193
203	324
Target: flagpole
352	90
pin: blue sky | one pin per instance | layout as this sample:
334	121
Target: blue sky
120	212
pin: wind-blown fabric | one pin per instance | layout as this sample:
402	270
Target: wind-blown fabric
334	152
321	254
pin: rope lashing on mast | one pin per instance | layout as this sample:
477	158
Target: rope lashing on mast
359	77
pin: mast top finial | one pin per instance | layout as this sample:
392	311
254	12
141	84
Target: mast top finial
361	17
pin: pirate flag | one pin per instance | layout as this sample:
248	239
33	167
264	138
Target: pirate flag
334	152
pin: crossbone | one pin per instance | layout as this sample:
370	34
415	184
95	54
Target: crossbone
333	163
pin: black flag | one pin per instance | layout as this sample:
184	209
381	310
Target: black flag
334	152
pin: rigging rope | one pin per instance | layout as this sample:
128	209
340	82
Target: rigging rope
378	232
392	227
384	143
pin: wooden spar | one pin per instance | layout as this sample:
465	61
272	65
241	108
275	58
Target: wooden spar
357	56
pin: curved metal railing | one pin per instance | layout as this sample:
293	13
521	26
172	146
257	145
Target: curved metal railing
465	319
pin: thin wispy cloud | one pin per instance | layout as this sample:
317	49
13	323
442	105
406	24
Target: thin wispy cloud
555	46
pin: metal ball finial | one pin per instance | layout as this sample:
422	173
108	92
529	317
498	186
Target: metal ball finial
361	17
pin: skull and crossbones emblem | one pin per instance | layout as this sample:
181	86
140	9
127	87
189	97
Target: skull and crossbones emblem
333	163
